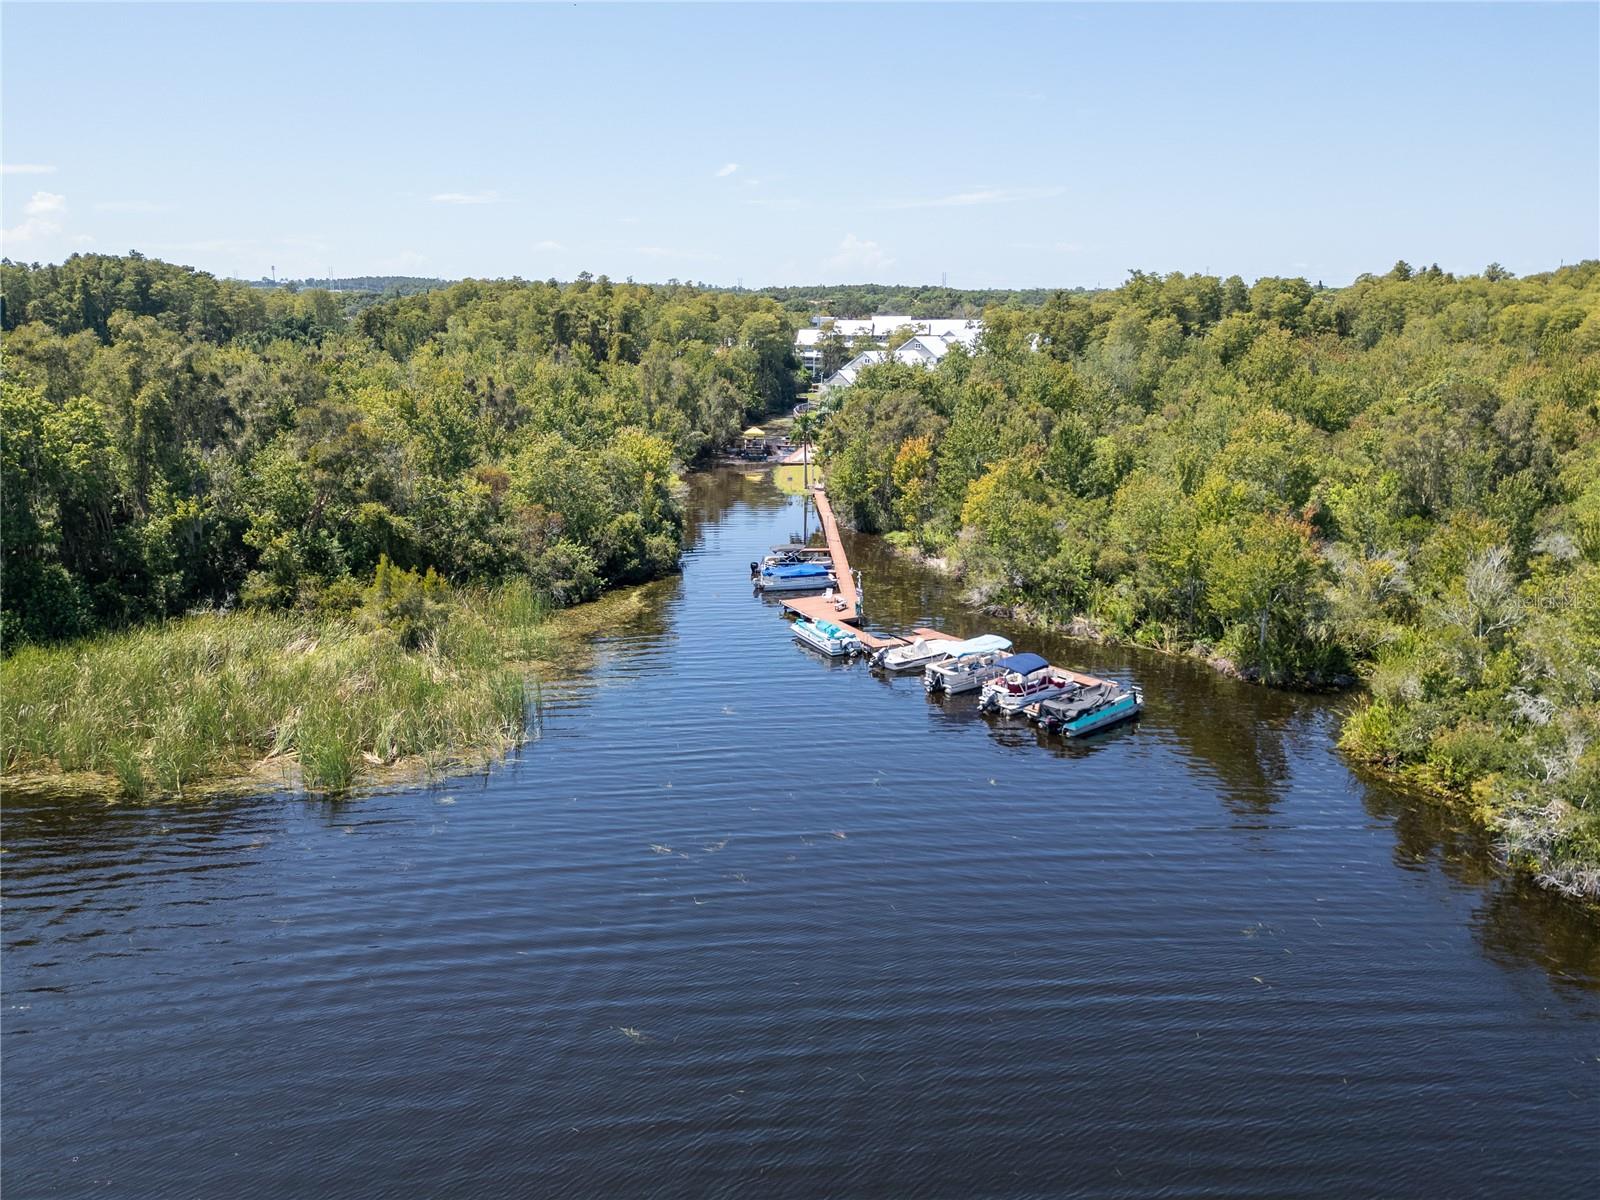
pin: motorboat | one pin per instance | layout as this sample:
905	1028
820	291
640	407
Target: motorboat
914	655
788	555
799	550
833	640
1091	709
1051	713
795	577
968	665
1022	680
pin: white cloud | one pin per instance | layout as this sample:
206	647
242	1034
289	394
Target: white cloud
547	244
489	197
726	169
130	206
856	254
42	220
980	195
27	169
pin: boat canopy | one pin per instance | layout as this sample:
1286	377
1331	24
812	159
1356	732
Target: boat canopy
988	643
802	570
1022	664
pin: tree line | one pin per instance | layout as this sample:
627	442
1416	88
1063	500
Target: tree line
1398	479
173	441
860	300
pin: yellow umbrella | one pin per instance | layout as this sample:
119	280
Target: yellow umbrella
755	431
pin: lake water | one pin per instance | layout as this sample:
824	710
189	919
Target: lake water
741	922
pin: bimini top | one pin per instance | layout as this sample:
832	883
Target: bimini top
803	570
988	643
1022	664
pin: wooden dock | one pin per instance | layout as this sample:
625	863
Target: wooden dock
843	607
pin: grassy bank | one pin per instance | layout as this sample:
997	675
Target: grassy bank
218	699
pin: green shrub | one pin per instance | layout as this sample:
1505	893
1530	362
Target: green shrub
412	607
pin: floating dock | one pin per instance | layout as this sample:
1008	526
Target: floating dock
844	606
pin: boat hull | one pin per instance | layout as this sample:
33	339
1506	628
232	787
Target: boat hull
955	683
797	585
1124	709
1009	705
913	662
834	647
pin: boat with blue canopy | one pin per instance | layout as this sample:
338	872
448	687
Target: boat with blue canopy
825	636
795	577
967	666
1024	679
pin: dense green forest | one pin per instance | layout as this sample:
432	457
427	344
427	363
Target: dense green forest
173	441
1398	479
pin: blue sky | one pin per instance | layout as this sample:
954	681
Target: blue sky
998	145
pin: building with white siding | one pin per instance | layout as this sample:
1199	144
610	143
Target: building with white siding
920	350
948	331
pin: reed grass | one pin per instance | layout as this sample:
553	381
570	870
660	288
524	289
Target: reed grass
161	710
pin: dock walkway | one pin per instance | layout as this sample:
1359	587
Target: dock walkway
843	607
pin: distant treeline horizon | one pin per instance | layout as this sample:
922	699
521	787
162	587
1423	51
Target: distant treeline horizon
835	300
846	301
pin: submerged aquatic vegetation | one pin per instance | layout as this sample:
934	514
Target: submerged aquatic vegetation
166	708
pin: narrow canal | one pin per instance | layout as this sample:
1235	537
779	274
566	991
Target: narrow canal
739	922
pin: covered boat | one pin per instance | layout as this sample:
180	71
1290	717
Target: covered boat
788	555
914	655
1086	712
968	665
1022	680
795	577
833	640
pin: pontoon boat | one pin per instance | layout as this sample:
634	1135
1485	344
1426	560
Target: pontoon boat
1024	679
833	640
1092	708
795	577
968	666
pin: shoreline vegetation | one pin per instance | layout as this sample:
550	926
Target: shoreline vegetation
217	702
377	505
1395	482
1524	838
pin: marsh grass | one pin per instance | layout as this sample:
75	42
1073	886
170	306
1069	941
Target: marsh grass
165	709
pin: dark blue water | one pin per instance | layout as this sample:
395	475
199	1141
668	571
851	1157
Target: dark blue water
738	922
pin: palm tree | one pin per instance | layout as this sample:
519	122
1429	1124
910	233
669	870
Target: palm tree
804	426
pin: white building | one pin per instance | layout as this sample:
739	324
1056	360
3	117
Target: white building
921	350
807	342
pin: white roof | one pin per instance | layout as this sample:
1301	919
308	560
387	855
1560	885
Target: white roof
881	326
922	348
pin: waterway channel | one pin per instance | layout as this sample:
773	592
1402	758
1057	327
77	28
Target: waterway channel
741	922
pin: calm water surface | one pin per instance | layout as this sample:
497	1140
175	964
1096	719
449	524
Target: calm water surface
739	922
